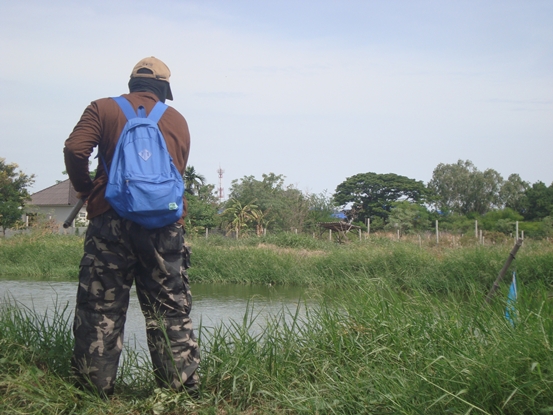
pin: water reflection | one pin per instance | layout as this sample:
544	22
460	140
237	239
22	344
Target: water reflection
213	304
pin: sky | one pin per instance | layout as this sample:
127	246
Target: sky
316	91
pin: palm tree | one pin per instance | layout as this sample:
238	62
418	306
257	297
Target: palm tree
260	219
192	180
240	215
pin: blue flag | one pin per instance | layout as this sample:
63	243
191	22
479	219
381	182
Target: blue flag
510	311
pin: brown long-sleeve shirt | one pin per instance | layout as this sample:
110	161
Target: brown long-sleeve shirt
101	125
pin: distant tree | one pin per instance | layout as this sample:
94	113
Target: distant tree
512	193
193	180
538	202
461	188
13	193
266	192
501	220
370	194
408	217
283	207
321	209
547	226
203	209
238	215
260	220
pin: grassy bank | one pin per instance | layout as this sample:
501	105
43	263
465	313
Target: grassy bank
374	350
41	256
289	259
292	259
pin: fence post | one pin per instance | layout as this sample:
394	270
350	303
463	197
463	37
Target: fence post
476	229
437	233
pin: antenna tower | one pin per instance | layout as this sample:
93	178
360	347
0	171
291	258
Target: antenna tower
220	171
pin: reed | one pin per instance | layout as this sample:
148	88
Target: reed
40	256
380	351
290	259
403	264
374	349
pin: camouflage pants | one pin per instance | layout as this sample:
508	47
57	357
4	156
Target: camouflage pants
116	253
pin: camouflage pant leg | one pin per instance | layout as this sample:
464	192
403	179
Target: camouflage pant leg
164	293
116	252
102	302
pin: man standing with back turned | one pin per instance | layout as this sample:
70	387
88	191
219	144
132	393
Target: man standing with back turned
118	251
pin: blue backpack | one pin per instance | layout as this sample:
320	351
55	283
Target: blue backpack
144	185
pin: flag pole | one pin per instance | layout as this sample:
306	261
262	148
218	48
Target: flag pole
503	271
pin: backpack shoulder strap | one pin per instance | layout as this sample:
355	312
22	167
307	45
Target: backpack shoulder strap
126	107
157	111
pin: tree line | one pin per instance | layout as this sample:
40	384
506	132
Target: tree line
456	196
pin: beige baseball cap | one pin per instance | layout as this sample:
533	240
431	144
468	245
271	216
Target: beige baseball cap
157	70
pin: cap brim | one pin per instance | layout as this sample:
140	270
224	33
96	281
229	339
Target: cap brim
169	93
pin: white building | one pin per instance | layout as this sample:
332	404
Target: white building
55	203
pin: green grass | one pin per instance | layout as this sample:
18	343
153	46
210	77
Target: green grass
405	331
370	350
379	351
41	256
314	263
289	259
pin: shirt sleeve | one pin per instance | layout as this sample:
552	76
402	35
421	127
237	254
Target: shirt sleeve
79	146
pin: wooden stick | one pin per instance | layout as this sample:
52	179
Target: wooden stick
503	271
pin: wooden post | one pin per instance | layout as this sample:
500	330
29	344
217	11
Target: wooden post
330	234
437	233
476	229
398	234
360	235
368	226
481	238
495	286
516	231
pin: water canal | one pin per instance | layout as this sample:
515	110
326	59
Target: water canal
213	304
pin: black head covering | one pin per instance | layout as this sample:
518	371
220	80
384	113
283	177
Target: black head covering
160	88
